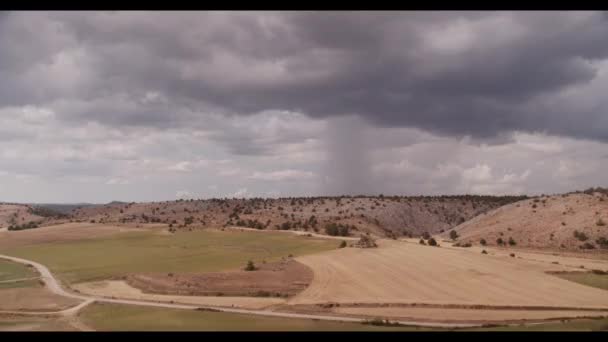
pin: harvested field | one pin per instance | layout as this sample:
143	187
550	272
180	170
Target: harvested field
278	279
122	290
400	272
115	254
33	299
67	232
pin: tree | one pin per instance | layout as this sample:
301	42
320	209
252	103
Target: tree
250	266
453	235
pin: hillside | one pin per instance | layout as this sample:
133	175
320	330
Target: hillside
16	215
574	221
379	215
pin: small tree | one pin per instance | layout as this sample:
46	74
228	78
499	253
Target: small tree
250	266
453	235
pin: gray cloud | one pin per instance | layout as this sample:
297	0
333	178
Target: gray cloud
323	93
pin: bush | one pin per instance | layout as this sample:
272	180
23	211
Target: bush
587	245
602	242
422	242
512	255
500	242
580	236
484	252
426	235
512	242
432	242
250	266
482	242
600	222
342	244
453	235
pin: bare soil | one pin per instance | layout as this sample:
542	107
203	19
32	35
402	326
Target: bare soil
278	279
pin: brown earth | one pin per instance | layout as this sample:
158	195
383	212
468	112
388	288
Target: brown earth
58	233
547	222
279	279
33	299
121	290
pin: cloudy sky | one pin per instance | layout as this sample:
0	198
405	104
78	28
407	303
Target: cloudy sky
144	106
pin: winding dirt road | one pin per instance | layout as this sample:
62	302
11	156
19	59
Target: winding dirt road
54	286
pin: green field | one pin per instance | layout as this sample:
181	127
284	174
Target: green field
573	325
11	270
587	278
200	251
111	317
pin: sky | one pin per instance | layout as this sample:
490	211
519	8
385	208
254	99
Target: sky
151	106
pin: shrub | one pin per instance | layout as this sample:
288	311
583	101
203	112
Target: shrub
453	235
482	242
602	242
580	236
499	241
587	245
432	242
512	242
426	235
250	266
512	255
484	252
342	244
422	242
600	222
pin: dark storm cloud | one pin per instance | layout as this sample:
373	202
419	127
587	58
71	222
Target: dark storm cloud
478	74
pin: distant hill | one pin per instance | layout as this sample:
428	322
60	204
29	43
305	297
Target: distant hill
573	221
380	215
62	208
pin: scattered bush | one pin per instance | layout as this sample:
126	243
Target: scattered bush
580	236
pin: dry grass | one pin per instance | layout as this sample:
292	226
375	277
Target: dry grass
400	272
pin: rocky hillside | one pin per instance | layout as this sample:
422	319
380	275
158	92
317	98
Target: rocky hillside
574	221
383	216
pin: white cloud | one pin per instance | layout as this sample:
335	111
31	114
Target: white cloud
282	175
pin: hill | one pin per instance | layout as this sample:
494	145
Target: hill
573	221
380	215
